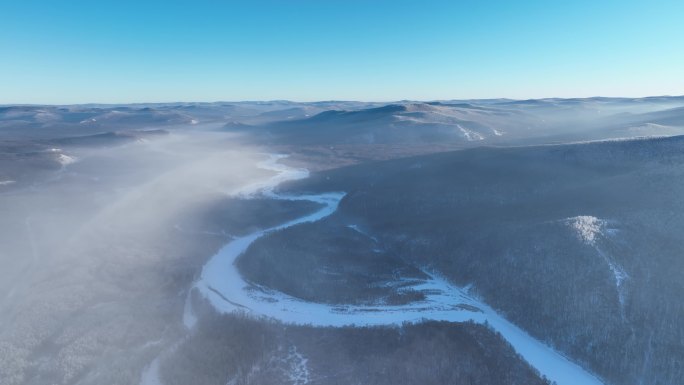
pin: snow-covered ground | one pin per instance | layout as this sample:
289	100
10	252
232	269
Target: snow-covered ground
66	160
470	135
223	286
588	229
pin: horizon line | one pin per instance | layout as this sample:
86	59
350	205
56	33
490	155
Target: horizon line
334	101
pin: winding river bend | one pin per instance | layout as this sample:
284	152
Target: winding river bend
224	287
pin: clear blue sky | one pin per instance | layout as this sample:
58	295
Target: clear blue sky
144	51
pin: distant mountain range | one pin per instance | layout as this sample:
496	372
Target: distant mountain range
468	122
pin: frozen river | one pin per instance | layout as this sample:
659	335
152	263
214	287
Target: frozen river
224	287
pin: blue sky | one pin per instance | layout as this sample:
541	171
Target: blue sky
157	51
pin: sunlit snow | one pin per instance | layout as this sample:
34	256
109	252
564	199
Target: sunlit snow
223	286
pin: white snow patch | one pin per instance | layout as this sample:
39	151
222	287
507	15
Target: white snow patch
284	173
66	160
470	135
611	140
298	370
287	366
620	276
223	286
587	228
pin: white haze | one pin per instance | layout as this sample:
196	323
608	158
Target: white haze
83	256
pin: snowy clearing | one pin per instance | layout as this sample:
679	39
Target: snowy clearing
588	229
66	160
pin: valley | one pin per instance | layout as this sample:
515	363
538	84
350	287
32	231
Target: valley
494	241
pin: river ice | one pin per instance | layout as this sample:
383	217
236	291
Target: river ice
223	286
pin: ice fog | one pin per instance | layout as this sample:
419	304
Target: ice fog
94	258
